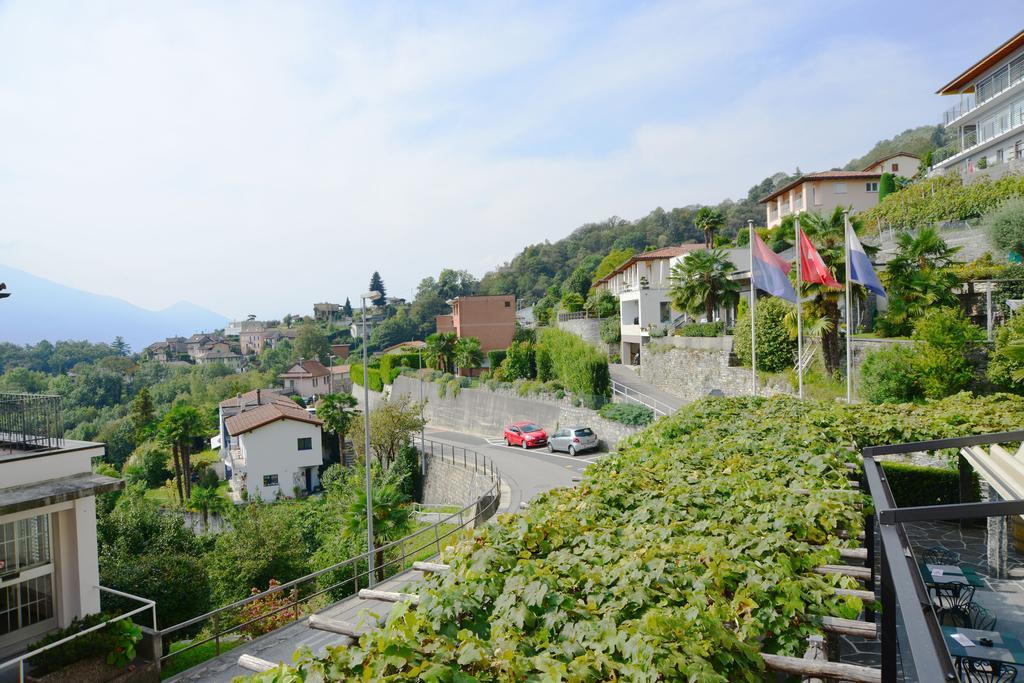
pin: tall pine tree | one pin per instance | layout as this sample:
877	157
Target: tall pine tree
377	285
347	309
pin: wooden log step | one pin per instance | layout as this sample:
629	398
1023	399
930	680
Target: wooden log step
850	627
846	535
430	567
388	596
862	573
866	596
828	670
321	623
250	663
849	553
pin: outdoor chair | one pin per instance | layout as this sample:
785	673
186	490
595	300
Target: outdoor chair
984	671
941	555
952	600
978	617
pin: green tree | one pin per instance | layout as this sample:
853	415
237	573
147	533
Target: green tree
377	285
708	220
455	283
180	426
578	282
204	500
347	308
918	278
701	281
519	363
611	261
946	337
572	302
392	520
121	347
142	415
392	425
311	343
338	411
440	351
886	185
1006	366
776	347
468	355
603	304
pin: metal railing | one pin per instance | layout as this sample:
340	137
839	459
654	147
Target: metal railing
802	363
660	408
31	421
578	315
22	658
229	619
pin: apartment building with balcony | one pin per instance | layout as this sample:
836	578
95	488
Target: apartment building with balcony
987	123
641	285
49	565
824	191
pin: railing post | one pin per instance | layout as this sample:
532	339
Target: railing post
437	539
216	630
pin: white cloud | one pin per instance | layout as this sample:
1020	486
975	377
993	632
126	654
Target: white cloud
259	158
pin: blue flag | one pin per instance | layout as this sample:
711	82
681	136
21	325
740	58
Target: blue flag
861	270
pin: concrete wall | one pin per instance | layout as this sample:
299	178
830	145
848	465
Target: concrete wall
452	484
487	413
692	367
587	329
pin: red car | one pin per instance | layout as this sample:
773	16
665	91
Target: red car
525	434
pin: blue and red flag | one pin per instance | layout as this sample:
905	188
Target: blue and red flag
769	272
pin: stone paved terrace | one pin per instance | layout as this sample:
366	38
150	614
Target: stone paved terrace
280	645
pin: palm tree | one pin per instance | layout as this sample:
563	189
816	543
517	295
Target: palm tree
917	278
338	412
708	220
180	425
204	500
468	355
440	350
392	519
701	281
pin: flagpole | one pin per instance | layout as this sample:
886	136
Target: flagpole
753	303
799	324
849	310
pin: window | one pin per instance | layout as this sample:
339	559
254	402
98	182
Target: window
871	186
508	304
270	480
895	168
306	443
999	156
26	597
666	311
839	188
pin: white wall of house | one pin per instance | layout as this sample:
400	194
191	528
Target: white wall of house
309	386
273	450
823	196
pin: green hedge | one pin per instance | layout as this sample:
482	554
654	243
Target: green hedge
776	350
627	413
914	485
376	382
943	198
391	364
713	329
578	365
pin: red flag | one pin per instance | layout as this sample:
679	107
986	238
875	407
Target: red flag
812	268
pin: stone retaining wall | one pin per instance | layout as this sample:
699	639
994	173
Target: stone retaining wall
693	367
587	329
448	483
487	413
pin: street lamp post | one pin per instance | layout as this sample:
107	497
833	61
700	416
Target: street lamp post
423	434
369	296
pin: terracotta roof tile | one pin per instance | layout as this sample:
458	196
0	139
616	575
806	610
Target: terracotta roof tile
821	175
664	252
249	420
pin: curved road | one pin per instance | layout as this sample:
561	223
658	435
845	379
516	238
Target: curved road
527	472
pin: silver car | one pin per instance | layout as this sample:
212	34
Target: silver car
572	440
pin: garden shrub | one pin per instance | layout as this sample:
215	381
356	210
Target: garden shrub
149	464
890	375
1006	225
886	185
687	554
712	329
627	413
543	360
776	350
611	330
519	362
943	198
102	643
1006	369
495	358
577	365
914	485
942	359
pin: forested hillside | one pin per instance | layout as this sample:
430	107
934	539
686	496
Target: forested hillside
918	141
539	266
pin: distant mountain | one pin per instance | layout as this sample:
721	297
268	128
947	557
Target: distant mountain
40	309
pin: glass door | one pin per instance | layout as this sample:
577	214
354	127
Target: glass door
26	577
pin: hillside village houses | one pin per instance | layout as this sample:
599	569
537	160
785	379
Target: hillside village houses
307	378
491	319
49	565
988	121
270	446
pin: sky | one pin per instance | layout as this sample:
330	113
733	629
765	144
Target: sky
256	157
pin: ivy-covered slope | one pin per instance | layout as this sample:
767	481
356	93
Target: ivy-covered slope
681	558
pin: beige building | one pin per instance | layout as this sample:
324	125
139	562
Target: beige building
987	124
49	566
901	164
307	378
822	193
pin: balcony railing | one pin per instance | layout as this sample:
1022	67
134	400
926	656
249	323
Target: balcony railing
30	422
996	84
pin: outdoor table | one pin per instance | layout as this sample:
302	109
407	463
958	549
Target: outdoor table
937	574
1005	648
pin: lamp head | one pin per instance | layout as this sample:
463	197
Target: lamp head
372	296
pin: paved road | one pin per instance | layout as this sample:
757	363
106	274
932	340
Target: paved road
628	377
527	472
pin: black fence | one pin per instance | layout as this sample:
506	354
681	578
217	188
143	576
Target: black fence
30	422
